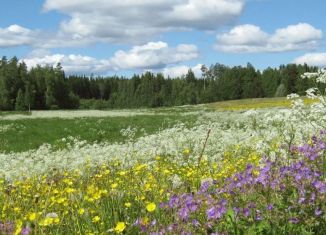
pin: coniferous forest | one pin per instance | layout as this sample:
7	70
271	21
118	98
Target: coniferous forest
49	88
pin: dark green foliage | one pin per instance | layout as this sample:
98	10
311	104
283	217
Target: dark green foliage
49	88
39	88
20	104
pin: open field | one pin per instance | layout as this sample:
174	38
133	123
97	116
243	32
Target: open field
206	169
25	131
245	104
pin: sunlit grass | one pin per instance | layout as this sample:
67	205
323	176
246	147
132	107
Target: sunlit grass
258	103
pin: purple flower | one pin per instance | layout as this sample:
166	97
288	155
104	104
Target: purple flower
26	231
195	223
173	201
153	223
320	186
246	212
204	187
301	200
192	207
270	207
236	210
184	213
294	220
211	213
318	212
258	215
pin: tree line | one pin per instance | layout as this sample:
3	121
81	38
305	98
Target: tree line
47	87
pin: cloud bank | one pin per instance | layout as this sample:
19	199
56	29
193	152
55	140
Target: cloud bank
153	55
251	39
312	59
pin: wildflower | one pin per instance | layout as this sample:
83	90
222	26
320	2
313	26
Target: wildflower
52	215
270	207
18	228
32	216
128	204
96	219
211	213
184	213
318	212
186	151
195	223
150	207
81	211
26	230
294	220
246	212
120	227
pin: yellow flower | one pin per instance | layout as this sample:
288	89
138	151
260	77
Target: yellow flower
255	172
113	186
186	151
46	222
18	227
70	190
96	219
150	207
128	204
81	211
120	227
16	209
32	216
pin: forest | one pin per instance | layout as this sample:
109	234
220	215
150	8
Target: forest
48	87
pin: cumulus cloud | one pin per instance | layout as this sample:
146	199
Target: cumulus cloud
312	59
136	21
250	38
153	55
15	35
70	63
181	70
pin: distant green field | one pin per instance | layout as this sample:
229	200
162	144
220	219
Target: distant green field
24	134
21	131
256	103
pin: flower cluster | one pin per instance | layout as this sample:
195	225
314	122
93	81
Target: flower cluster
284	198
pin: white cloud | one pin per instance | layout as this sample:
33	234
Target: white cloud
70	63
15	35
178	71
137	20
250	38
153	55
312	59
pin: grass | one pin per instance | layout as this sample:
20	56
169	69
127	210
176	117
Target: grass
5	113
245	104
26	134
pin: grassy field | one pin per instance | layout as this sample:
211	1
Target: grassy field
22	131
26	134
257	103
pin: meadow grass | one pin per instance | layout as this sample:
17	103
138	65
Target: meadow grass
257	103
26	134
30	133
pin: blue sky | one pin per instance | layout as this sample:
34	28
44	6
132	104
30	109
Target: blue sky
123	37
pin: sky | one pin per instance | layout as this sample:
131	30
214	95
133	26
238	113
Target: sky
124	37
